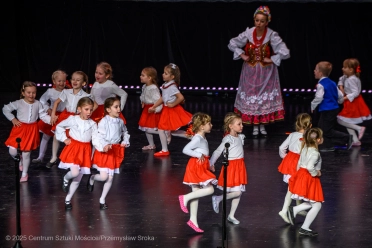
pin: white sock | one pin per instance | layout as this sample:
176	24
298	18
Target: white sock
198	192
55	147
301	207
43	146
106	189
150	138
313	212
287	202
25	162
163	140
255	128
262	127
73	187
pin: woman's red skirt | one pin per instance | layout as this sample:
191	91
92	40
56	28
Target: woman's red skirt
29	134
355	109
63	116
78	153
236	174
198	173
46	128
173	118
306	186
111	159
148	120
288	166
99	113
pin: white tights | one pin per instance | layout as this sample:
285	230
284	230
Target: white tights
235	196
351	128
150	136
25	159
193	197
55	148
313	212
76	176
103	177
43	146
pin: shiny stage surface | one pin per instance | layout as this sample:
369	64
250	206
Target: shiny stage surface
143	202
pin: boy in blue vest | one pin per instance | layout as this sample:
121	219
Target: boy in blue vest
328	97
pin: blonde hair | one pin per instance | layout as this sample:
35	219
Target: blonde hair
311	136
107	69
229	119
325	68
58	72
199	119
151	72
303	121
353	64
175	71
25	85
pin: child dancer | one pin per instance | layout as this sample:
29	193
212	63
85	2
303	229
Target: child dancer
288	166
173	116
236	172
150	94
355	110
109	152
103	88
25	125
305	184
197	175
70	98
51	95
77	153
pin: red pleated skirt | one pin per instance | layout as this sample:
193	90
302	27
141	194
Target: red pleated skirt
148	120
355	109
111	159
236	174
99	113
305	186
288	166
77	153
29	134
46	128
63	116
173	118
198	173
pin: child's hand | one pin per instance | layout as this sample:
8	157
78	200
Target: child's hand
201	159
170	104
142	104
53	119
211	168
106	148
267	60
16	122
151	110
319	173
244	57
49	111
67	141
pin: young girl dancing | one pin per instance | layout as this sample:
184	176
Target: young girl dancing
104	88
288	166
48	99
70	98
173	116
77	153
305	184
236	172
197	175
25	125
148	122
355	110
109	152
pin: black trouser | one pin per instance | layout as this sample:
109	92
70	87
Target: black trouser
327	122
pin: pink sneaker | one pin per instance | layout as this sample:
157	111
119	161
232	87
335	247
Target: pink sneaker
358	143
182	205
196	229
361	132
23	179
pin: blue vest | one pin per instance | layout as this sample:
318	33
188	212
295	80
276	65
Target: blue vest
330	95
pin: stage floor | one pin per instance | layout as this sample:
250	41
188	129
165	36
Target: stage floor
143	202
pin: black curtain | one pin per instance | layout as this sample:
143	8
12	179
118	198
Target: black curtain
42	36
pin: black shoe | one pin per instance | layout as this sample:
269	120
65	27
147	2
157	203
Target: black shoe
50	164
103	206
64	185
307	233
68	205
291	215
89	186
350	142
330	149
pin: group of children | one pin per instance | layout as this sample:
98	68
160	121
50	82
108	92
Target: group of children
94	132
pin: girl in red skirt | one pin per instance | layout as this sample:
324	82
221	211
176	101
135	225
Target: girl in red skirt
305	184
355	110
173	116
48	99
150	94
109	141
77	153
70	98
236	171
104	88
25	125
198	173
288	166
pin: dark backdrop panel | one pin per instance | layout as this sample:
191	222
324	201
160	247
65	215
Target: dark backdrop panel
44	36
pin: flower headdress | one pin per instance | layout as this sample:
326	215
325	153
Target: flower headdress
263	10
358	69
174	66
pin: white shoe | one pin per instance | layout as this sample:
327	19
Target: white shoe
284	217
215	204
234	221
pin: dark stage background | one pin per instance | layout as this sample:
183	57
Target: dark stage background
39	37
